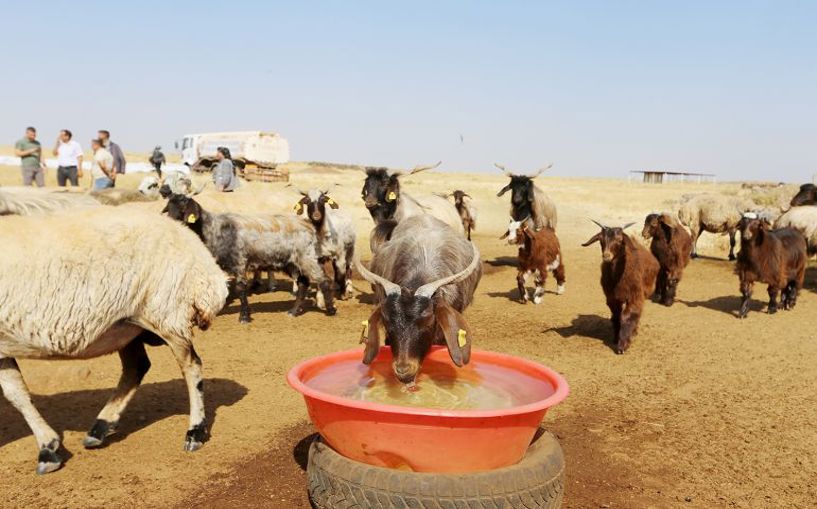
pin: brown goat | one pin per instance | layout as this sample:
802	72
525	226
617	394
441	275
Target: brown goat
671	245
628	273
539	253
775	257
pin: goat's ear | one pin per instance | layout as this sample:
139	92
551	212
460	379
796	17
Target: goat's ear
456	331
165	210
298	208
504	190
192	211
332	203
594	238
505	235
371	336
530	192
667	229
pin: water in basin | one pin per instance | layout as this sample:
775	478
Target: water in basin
479	386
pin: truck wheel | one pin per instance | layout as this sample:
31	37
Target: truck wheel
536	482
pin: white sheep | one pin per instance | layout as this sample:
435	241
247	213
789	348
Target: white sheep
804	220
98	281
26	201
714	213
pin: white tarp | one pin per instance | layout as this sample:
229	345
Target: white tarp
132	167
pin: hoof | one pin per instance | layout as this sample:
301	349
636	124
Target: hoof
732	258
772	311
560	290
48	460
537	300
244	319
331	311
195	437
96	437
295	312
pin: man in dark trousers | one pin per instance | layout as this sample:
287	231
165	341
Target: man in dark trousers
119	162
157	160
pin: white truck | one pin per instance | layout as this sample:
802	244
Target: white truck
256	154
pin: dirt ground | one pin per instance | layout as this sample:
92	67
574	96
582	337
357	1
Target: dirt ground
704	411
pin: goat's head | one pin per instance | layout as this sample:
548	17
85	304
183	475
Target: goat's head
611	239
651	225
381	189
184	209
516	231
314	202
753	225
521	185
806	196
459	197
412	320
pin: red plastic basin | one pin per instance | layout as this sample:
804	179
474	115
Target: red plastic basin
429	439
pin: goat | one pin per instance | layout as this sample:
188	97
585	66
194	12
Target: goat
807	195
628	273
114	280
385	201
244	244
423	278
539	253
466	209
671	245
713	213
774	257
528	201
336	235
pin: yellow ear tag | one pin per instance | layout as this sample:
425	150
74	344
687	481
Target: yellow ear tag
191	218
330	201
461	338
392	196
365	332
297	208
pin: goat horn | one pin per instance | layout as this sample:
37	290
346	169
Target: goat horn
504	170
540	170
627	225
427	290
388	287
599	224
419	168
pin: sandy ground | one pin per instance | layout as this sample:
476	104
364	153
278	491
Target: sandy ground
704	411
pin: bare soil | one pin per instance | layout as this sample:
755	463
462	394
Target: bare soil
704	411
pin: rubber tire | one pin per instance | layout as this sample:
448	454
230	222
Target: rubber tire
536	482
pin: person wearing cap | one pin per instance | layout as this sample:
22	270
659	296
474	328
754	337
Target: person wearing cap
157	159
224	175
69	159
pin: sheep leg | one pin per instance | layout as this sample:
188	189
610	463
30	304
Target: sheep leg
540	278
190	364
661	285
469	232
772	299
696	234
746	291
135	364
731	245
790	294
15	390
629	327
669	296
520	283
241	288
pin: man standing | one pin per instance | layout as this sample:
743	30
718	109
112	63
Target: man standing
30	153
157	159
69	159
118	156
102	172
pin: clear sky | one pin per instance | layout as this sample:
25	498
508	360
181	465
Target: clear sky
598	88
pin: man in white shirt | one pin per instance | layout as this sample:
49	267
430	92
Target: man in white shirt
69	159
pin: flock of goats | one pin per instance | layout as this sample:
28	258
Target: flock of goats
114	279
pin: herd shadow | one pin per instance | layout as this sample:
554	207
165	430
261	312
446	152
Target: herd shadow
153	402
729	304
588	326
